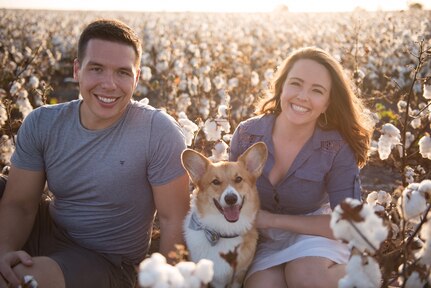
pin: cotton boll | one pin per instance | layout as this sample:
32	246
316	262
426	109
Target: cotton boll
425	253
188	127
206	83
146	73
402	105
361	272
413	202
427	91
351	212
416	123
410	174
183	102
372	198
220	152
389	138
254	78
414	281
205	270
186	268
390	130
212	130
425	186
192	282
425	147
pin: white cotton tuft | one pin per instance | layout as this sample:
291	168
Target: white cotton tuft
413	202
425	147
347	219
220	152
205	270
212	130
427	91
254	78
154	272
146	73
425	253
390	137
188	127
379	200
361	272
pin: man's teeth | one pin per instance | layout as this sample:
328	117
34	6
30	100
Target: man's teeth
106	100
299	108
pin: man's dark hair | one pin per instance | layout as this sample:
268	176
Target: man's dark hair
110	30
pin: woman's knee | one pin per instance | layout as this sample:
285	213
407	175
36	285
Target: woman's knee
271	277
313	272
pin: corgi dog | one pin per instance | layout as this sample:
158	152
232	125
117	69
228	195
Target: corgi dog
224	204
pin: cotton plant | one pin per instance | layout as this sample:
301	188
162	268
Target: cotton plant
220	151
357	224
3	114
409	174
413	200
155	272
361	272
416	121
188	127
425	146
7	148
427	91
146	73
389	138
379	200
213	128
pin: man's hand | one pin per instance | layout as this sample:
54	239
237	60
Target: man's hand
9	260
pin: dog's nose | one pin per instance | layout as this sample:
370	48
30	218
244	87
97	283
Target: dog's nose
231	199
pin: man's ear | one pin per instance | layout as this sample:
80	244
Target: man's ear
138	74
76	68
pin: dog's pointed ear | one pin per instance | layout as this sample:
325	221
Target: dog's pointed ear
195	164
254	158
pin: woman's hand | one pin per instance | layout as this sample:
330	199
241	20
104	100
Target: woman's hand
264	219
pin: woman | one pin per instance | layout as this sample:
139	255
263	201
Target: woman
317	137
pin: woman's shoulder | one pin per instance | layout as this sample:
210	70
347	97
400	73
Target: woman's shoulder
257	125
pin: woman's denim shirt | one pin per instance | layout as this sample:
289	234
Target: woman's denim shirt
324	170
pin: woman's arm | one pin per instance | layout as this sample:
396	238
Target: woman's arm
302	224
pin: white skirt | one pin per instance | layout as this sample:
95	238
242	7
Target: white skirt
278	246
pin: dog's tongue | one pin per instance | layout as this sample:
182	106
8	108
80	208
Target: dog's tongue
231	213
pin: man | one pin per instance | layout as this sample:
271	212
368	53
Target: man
110	162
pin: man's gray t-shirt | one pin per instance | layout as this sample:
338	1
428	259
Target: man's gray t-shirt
102	179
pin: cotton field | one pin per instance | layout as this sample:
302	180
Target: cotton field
207	71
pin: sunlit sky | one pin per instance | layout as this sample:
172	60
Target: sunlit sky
212	5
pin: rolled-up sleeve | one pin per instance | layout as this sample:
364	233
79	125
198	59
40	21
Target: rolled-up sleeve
343	179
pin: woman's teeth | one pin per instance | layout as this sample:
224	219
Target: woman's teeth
299	108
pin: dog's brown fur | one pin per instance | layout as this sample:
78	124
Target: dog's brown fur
225	200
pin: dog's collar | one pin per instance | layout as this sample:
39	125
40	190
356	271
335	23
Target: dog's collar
212	236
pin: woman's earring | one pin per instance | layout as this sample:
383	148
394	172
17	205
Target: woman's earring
325	121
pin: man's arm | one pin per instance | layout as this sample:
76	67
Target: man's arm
18	208
172	203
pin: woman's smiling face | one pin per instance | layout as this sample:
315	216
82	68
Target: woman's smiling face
305	93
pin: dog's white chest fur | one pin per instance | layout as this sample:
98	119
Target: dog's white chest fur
201	248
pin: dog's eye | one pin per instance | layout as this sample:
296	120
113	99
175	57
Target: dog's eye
216	182
238	179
